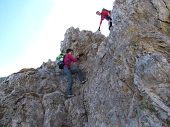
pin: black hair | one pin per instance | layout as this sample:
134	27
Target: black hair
68	50
97	12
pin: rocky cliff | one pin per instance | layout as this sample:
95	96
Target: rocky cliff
128	76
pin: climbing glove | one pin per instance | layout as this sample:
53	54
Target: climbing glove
80	54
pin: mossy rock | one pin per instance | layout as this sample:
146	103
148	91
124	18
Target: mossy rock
168	30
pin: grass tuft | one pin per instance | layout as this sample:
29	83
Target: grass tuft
144	104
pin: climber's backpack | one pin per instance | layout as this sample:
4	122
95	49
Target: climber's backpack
106	10
60	61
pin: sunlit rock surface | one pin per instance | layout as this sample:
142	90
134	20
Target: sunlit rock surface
128	76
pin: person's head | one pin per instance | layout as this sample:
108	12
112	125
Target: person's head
98	13
69	51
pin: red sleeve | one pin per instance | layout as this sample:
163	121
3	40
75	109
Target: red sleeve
72	58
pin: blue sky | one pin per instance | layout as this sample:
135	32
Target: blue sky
31	30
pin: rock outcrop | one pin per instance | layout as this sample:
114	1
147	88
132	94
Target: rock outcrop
128	76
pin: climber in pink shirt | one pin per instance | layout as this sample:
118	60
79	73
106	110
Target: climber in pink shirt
68	59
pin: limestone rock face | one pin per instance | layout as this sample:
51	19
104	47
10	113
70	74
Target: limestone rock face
128	76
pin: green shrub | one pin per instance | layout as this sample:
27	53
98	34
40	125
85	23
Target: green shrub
144	104
168	30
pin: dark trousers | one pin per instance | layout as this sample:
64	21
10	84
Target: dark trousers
69	72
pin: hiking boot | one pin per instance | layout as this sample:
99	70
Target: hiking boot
82	82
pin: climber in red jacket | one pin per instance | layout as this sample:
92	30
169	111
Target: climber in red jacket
105	14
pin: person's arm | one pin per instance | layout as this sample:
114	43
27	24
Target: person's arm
72	58
100	24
